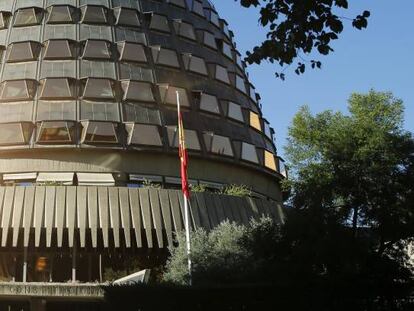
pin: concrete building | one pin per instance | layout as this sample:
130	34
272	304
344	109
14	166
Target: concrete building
88	139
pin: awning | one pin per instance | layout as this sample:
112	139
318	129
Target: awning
61	178
114	217
20	176
95	179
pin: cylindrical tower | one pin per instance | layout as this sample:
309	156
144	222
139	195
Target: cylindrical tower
88	131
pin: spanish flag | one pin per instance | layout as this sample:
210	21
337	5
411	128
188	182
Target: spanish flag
182	152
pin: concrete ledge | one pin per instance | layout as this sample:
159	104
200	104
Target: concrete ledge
89	291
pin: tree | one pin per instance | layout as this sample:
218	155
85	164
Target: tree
297	28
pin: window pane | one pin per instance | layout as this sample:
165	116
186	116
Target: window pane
270	162
60	14
99	111
131	52
15	133
23	51
126	17
191	138
18	90
255	121
97	69
140	113
56	110
169	95
209	103
235	112
218	144
99	132
221	74
240	84
57	88
126	34
139	91
166	57
60	32
58	69
15	112
249	153
210	40
93	14
142	134
159	22
98	88
59	49
195	64
99	32
55	132
96	49
185	30
28	16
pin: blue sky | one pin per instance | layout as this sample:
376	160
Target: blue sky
379	57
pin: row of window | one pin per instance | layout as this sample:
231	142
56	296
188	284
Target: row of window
92	132
98	96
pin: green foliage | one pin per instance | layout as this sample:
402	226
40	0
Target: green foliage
148	184
198	188
299	28
236	190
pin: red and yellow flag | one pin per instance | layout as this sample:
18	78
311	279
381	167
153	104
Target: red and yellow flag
182	152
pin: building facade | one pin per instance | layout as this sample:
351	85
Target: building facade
88	134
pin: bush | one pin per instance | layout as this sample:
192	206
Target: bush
236	190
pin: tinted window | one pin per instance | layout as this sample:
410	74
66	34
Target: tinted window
57	88
209	103
191	138
235	112
141	113
96	49
169	95
59	49
142	134
195	64
185	30
99	132
166	57
100	111
131	52
159	22
60	14
126	17
218	144
221	74
18	90
15	133
55	132
94	14
249	153
98	88
23	51
137	91
28	16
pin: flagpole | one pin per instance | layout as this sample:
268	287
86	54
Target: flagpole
186	213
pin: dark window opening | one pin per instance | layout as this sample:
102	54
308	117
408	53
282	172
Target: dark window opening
55	132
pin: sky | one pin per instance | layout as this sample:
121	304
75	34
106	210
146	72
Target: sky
379	57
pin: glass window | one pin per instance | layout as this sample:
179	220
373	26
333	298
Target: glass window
23	51
97	69
96	49
60	32
209	40
15	112
59	49
98	88
222	74
225	28
166	57
55	132
218	144
137	91
208	103
60	14
131	35
249	153
99	111
56	110
126	17
18	90
195	64
212	16
158	22
52	88
184	29
129	71
15	133
270	162
141	113
255	121
169	95
191	138
226	49
235	112
98	32
93	14
28	16
4	19
240	84
197	8
58	69
143	134
131	52
268	130
99	132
